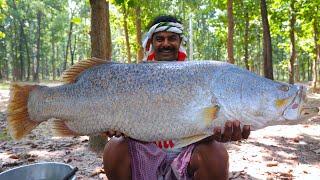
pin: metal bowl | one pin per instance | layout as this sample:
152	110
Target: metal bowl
39	171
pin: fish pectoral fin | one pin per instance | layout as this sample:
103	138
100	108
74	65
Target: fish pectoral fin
70	75
209	114
179	143
281	102
60	128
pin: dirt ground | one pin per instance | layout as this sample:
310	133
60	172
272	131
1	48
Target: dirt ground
275	152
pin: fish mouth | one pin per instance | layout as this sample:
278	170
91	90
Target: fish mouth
294	110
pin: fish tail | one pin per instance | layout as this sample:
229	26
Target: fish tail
19	122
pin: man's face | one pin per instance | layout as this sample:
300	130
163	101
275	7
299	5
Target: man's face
166	46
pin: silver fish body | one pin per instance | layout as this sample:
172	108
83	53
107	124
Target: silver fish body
164	101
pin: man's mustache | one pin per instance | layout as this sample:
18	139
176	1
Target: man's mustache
167	49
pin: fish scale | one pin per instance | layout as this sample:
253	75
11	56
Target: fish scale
179	101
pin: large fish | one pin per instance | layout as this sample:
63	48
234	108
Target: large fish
178	101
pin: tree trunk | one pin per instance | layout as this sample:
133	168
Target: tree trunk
73	50
108	34
139	34
23	40
98	29
26	43
303	72
126	34
100	48
53	60
230	31
267	46
293	42
58	72
36	73
46	68
246	40
3	57
297	71
18	71
28	54
12	52
190	38
317	57
6	68
68	44
307	69
13	55
21	64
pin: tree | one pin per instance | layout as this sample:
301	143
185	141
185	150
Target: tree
37	69
125	27
293	42
108	34
230	31
98	29
99	49
317	54
138	33
68	46
267	48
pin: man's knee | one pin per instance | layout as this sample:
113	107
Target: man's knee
116	158
209	160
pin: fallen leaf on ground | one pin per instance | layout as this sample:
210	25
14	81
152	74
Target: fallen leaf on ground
67	160
272	163
11	164
286	175
31	159
14	156
2	144
97	171
317	151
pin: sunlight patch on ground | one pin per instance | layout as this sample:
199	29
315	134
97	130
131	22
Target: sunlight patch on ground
4	156
45	153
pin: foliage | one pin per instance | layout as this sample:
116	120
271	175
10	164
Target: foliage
208	22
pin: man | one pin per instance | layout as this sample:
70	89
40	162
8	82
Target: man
125	158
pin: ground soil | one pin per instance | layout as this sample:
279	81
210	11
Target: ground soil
275	152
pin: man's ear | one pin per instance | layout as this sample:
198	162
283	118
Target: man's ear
181	39
148	44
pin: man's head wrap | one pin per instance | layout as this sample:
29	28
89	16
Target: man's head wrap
174	27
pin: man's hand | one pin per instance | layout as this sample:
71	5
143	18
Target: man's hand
112	133
232	132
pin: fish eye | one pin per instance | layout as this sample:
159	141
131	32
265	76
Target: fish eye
284	88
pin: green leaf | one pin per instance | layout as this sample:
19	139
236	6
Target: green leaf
118	2
76	20
131	4
2	35
3	4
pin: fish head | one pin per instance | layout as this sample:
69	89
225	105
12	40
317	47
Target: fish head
288	101
293	110
255	100
274	103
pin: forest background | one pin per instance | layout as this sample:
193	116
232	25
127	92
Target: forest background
39	39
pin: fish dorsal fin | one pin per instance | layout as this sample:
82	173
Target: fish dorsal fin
70	75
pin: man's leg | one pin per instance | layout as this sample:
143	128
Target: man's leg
209	160
116	159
